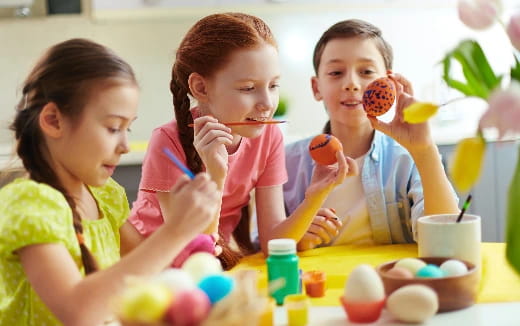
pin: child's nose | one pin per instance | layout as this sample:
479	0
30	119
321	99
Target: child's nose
266	103
351	84
123	146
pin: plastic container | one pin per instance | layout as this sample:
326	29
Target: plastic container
282	264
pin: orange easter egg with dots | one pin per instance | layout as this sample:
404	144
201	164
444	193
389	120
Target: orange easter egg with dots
379	96
323	149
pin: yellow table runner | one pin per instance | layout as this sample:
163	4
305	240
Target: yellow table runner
499	282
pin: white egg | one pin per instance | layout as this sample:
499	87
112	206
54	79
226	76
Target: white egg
411	264
454	267
176	280
364	285
202	264
413	303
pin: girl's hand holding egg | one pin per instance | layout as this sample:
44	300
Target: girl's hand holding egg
327	150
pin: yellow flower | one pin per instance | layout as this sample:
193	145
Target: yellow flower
419	112
467	162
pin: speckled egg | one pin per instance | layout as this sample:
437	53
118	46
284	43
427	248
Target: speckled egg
379	96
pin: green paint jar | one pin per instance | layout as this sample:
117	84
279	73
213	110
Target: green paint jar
282	268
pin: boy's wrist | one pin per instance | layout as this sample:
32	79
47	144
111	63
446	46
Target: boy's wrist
427	149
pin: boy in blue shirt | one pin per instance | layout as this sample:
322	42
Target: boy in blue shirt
401	174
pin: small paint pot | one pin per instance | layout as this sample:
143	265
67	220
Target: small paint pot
315	283
297	306
267	316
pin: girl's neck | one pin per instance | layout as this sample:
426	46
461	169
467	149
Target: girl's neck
356	140
231	149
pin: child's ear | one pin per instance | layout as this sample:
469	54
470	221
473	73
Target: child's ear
51	120
315	89
198	87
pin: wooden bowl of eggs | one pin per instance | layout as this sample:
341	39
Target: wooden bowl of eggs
454	281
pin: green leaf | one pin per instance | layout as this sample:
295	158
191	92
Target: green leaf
480	77
515	70
456	84
513	220
487	75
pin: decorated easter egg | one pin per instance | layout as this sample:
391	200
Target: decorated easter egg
413	303
176	280
190	307
454	267
144	302
201	243
217	286
399	272
411	264
323	149
379	96
201	264
430	270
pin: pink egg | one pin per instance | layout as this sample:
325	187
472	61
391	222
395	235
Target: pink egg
189	307
399	272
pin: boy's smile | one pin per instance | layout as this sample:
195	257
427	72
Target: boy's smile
347	66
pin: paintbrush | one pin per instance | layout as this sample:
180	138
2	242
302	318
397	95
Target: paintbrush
245	123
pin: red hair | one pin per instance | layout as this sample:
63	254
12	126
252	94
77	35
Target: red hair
207	48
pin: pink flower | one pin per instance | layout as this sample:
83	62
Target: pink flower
478	14
503	112
513	30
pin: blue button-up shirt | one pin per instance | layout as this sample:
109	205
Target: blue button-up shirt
390	179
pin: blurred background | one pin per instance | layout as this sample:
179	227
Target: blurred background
147	32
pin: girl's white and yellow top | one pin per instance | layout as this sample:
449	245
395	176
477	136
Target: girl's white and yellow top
35	213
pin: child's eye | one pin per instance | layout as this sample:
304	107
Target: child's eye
128	129
367	72
247	89
273	86
334	73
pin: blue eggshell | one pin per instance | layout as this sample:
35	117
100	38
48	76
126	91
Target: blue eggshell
217	286
430	270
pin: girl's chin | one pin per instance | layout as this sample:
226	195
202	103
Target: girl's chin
250	131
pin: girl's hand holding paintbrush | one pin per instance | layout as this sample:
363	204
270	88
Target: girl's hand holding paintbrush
198	200
210	141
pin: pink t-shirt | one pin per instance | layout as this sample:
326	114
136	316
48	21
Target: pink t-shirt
258	162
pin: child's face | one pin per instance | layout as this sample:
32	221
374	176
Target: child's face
92	146
246	89
347	66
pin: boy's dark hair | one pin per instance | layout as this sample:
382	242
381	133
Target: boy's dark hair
353	28
68	74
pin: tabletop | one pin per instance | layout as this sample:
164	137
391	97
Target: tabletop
498	300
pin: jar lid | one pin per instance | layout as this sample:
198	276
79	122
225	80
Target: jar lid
281	246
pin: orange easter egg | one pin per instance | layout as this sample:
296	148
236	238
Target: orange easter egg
323	149
379	96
